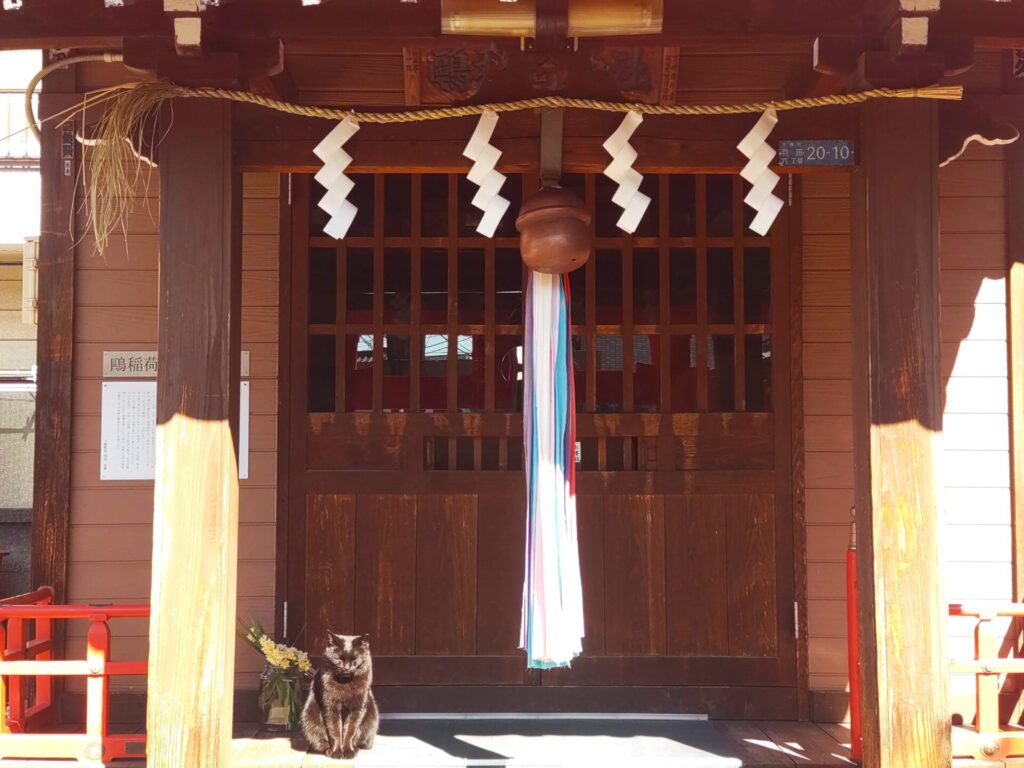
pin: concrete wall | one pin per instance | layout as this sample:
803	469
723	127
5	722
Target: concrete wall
19	218
17	434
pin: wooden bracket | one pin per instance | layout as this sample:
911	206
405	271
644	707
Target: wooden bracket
901	53
244	64
894	62
878	69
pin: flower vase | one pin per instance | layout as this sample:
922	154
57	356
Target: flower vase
280	698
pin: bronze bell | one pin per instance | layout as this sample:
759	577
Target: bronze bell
554	231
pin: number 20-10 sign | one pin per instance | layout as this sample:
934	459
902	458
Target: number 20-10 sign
815	152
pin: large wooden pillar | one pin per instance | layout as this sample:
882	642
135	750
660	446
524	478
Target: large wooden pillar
51	517
898	437
195	525
1015	350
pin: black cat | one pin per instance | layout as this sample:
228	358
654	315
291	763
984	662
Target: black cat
340	716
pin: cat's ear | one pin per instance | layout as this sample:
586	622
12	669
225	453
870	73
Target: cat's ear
363	641
333	639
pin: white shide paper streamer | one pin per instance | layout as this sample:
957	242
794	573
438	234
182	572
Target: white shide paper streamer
332	178
628	196
763	179
485	157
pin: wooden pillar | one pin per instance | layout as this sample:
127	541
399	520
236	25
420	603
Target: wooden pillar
51	515
898	437
195	525
1015	350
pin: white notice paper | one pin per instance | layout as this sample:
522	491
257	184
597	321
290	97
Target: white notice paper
128	431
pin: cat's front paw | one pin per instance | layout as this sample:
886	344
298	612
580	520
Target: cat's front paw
349	754
336	754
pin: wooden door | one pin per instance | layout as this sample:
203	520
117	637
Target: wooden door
405	516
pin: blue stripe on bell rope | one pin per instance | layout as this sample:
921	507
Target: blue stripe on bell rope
485	158
552	620
755	147
332	178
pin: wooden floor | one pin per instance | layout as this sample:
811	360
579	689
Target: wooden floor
548	743
551	743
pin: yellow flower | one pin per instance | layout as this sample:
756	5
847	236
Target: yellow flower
281	655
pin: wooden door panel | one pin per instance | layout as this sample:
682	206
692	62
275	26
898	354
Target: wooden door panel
446	571
634	583
695	563
657	670
406	440
751	576
449	670
590	527
385	554
330	567
500	547
725	441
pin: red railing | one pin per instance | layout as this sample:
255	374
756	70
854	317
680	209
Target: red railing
21	658
987	739
853	643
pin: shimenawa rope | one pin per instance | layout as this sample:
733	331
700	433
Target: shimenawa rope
114	164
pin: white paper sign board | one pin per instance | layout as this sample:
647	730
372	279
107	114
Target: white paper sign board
128	431
142	364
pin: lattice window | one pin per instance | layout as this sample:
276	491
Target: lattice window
414	311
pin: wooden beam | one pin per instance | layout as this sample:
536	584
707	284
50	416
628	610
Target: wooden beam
188	35
250	64
699	27
412	74
908	36
897	437
195	525
331	23
999	107
1015	350
51	515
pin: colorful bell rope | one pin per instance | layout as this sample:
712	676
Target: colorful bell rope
552	622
